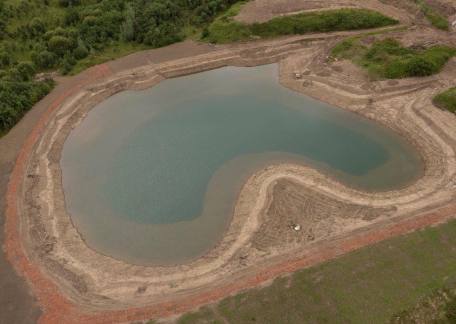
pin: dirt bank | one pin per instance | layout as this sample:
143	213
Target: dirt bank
16	302
74	283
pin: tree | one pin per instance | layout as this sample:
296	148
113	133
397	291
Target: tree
5	60
127	30
36	27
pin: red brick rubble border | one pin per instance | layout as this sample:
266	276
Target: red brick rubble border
59	309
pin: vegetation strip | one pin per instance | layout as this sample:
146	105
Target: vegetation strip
387	58
225	29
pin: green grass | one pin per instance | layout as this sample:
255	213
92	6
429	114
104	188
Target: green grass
225	29
115	50
446	100
389	59
433	16
365	286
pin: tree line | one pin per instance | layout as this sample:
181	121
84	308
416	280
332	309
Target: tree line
45	35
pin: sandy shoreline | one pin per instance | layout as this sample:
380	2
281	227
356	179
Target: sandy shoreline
92	283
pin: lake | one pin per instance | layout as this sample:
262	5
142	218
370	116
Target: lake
151	177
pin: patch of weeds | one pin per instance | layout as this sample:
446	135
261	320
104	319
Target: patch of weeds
433	16
389	59
446	100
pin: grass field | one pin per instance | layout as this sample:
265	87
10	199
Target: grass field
387	58
366	286
446	100
225	29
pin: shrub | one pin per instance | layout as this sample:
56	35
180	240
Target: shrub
67	64
446	100
59	45
36	27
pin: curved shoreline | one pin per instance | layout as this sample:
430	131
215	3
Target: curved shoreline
89	288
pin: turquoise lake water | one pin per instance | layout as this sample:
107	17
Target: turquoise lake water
151	177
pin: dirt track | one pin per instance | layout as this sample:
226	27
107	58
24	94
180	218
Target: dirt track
69	296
